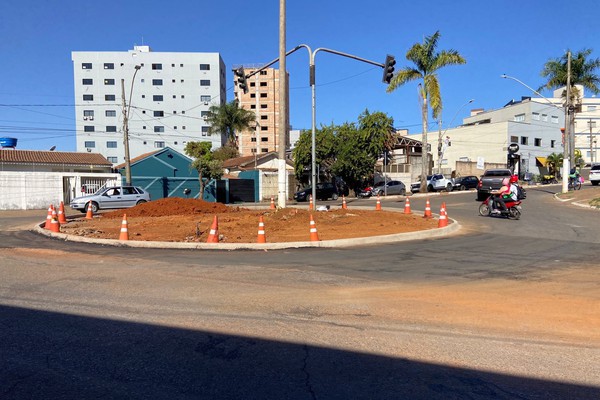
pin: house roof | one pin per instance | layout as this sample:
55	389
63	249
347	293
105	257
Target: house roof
52	158
149	154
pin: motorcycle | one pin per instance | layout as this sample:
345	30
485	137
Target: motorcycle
366	192
513	209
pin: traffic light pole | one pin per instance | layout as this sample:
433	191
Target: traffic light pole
388	69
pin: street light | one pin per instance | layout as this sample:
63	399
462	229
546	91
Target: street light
440	147
565	174
126	110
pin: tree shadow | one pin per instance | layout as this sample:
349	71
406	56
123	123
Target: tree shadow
49	355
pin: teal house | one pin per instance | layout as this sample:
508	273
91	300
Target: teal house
164	173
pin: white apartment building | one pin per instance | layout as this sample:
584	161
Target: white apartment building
167	103
484	137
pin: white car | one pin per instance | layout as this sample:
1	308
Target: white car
111	197
595	174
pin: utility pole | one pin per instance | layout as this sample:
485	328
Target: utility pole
592	125
282	171
567	146
126	109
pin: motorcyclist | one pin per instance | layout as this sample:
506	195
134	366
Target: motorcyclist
508	192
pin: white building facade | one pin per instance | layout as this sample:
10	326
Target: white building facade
484	138
167	103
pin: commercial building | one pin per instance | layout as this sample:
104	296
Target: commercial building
263	99
166	97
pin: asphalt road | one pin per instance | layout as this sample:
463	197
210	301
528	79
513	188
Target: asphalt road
86	321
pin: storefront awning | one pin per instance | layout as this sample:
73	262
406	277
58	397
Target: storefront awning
540	161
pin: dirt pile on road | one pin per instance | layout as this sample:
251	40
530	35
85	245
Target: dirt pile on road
189	220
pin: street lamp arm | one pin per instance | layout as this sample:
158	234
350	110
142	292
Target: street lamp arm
530	88
339	53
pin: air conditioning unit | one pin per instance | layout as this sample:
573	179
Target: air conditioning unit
206	103
91	118
89	150
85	118
205	118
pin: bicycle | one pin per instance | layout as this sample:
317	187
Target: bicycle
574	183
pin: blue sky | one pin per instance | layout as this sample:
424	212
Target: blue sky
495	37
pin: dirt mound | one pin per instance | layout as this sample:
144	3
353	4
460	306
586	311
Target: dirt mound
172	206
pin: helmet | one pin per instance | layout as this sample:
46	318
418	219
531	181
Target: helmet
514	179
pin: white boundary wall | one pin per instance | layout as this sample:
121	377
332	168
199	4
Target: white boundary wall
37	190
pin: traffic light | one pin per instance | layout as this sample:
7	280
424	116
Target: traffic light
388	69
241	79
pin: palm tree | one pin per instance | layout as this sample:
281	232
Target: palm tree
427	61
229	118
554	163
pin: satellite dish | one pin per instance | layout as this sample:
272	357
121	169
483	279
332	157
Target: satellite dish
52	148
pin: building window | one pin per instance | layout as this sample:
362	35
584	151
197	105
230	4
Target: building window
109	81
263	72
263	95
554	119
157	97
535	116
159	129
111	145
183	127
253	139
552	143
88	97
110	113
86	66
156	66
111	128
252	95
262	84
88	113
264	150
252	84
264	139
253	150
204	67
159	113
263	106
591	108
204	113
109	66
175	128
90	144
514	139
253	106
264	128
109	97
545	117
264	117
88	128
157	82
113	160
519	118
537	142
205	99
204	82
524	140
159	145
205	131
88	81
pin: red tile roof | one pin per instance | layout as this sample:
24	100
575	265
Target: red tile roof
52	157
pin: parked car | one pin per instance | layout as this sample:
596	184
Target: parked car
325	190
112	197
595	174
390	187
466	182
415	187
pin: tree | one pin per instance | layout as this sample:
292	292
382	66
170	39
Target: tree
204	162
226	152
229	118
427	61
583	72
325	144
554	163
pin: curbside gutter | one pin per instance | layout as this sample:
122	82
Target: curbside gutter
337	243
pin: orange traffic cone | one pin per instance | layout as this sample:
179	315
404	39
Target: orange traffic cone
314	236
262	238
344	205
427	213
61	213
310	204
272	207
443	221
54	224
124	235
49	217
407	209
378	204
213	236
90	212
